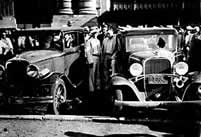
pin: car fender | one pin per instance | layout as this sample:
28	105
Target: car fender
194	87
197	78
121	81
51	78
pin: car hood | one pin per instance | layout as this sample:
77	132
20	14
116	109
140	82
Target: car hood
143	54
38	55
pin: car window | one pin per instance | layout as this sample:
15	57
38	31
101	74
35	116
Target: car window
38	40
70	40
149	42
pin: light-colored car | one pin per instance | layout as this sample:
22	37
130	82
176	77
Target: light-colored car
49	66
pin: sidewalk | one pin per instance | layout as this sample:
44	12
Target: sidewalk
58	117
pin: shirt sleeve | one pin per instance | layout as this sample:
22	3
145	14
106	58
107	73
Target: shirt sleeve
9	43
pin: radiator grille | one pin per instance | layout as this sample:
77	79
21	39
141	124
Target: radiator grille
16	71
155	67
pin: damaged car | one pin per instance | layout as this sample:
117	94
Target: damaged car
49	66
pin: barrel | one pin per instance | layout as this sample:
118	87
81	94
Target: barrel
65	7
87	7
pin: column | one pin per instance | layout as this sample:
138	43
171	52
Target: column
65	6
87	7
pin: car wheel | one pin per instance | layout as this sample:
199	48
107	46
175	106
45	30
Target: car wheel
196	132
59	93
117	95
192	93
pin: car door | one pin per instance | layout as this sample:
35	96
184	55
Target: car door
74	56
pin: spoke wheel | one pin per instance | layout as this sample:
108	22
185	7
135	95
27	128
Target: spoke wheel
59	95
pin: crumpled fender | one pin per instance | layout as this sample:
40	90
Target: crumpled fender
121	81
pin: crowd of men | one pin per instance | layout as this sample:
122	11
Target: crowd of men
193	47
101	49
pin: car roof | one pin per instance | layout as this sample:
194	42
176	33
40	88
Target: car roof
52	29
150	30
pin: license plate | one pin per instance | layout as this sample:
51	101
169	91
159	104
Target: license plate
157	79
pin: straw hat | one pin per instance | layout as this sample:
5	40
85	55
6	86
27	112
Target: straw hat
93	30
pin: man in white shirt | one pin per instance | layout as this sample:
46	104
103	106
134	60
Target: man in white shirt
93	53
6	43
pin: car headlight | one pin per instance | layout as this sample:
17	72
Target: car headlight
181	68
199	90
136	69
32	71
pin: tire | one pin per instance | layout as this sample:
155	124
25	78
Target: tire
117	95
59	93
199	132
191	93
195	132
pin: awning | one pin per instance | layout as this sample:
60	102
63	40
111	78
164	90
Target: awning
76	20
8	23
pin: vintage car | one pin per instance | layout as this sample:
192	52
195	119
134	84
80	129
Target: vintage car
151	76
49	66
155	86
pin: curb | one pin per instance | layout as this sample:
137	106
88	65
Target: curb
57	117
92	119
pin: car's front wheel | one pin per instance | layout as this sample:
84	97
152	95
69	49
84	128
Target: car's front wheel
192	92
118	96
59	93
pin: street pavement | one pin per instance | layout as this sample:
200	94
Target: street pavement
91	119
90	126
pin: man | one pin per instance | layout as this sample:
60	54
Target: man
93	53
86	33
103	33
110	49
7	43
6	47
194	59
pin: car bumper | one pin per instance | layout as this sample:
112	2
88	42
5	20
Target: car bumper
156	103
171	110
168	116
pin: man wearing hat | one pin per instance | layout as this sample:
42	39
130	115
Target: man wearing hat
109	52
93	53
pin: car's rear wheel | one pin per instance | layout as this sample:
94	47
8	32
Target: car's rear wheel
59	93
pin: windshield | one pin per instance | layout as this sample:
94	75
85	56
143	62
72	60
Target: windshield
149	42
26	41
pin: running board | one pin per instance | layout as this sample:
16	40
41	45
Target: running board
32	100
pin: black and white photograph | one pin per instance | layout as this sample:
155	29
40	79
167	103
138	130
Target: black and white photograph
100	68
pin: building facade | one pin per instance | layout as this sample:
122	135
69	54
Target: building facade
155	12
40	13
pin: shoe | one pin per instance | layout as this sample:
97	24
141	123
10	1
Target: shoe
77	101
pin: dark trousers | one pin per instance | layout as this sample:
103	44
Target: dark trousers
107	71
